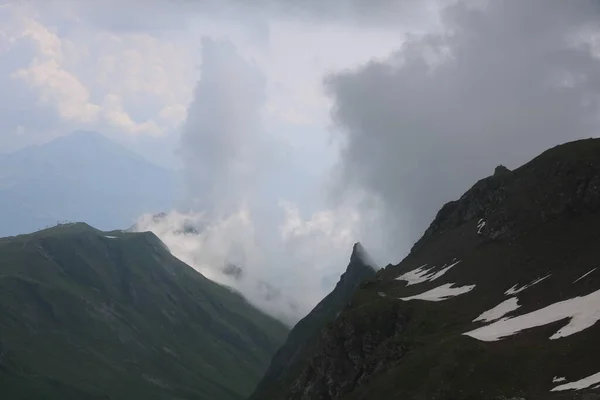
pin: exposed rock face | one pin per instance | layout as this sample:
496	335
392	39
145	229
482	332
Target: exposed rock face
501	170
487	194
563	179
302	340
530	235
351	351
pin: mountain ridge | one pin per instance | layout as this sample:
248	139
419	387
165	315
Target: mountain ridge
495	301
302	338
92	314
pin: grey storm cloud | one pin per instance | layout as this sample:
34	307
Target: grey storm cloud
356	11
503	81
222	147
167	14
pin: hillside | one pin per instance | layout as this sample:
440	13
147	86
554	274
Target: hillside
498	300
80	177
303	338
91	314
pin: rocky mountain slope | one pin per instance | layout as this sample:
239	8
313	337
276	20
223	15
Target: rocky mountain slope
499	299
86	314
303	338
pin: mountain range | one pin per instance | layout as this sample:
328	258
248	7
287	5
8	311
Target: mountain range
83	176
499	299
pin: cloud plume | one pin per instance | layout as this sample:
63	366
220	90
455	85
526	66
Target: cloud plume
221	140
502	81
283	275
496	82
234	227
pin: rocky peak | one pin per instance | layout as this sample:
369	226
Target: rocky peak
357	251
564	179
303	339
360	256
500	170
486	194
360	266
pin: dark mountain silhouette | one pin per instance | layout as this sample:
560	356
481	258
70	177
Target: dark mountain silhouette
302	340
500	299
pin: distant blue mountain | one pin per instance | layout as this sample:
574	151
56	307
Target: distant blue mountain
80	177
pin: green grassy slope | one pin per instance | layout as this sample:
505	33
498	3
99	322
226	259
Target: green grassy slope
87	314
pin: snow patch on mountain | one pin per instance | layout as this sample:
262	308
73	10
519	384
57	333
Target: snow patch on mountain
480	225
557	379
580	384
416	276
440	293
515	289
584	275
423	274
506	307
583	312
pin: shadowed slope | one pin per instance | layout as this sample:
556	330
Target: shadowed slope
87	314
302	340
498	299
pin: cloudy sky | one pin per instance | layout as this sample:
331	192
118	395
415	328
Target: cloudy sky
300	129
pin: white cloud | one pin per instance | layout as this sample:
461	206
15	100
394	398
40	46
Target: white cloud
47	42
84	58
174	114
261	136
126	83
57	86
113	113
139	65
301	53
323	228
282	275
206	243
